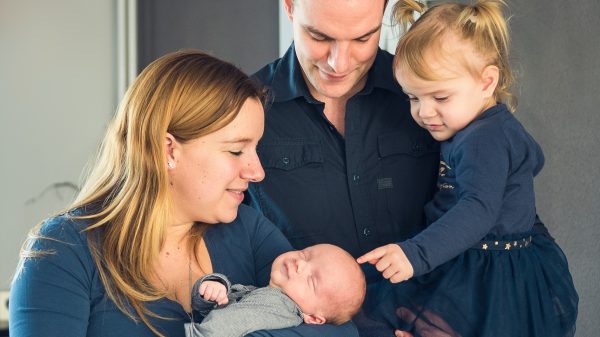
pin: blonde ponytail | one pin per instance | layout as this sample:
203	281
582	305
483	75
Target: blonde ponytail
404	12
482	24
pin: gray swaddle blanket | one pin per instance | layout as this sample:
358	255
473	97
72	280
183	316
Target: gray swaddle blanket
249	309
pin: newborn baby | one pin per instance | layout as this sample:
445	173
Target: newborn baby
319	284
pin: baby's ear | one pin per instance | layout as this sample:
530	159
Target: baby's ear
314	319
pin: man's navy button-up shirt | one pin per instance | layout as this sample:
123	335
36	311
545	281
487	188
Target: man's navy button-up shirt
358	191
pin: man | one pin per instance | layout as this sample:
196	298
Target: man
345	163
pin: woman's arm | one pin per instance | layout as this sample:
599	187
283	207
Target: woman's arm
50	294
311	330
267	243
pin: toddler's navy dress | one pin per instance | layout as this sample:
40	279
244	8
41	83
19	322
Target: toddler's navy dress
481	266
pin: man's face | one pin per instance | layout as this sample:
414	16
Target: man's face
336	43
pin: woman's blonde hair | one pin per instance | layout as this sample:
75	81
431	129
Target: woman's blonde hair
188	94
482	25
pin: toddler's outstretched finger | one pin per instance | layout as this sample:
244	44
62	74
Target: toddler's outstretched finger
372	257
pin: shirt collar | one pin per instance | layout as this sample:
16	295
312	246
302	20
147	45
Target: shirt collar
492	111
288	81
381	74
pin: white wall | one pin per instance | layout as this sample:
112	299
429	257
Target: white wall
286	35
57	93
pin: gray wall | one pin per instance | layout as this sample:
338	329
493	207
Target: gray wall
556	50
57	92
242	32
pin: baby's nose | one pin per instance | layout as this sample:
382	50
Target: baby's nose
300	265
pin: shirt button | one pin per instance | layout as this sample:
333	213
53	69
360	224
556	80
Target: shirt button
356	178
285	160
366	232
330	127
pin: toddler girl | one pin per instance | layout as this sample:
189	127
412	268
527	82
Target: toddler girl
479	268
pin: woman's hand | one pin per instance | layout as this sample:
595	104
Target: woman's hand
391	261
214	291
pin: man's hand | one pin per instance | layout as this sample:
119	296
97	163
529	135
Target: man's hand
214	291
391	261
427	325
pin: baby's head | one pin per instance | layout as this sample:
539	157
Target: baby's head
453	57
324	280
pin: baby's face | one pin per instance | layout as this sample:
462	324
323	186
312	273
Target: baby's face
312	276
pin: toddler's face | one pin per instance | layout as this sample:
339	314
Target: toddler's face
448	105
311	276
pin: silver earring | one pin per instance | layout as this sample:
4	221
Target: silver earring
170	164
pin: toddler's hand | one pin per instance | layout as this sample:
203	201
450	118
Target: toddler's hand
391	261
214	291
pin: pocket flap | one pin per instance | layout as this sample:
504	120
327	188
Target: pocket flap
414	144
289	154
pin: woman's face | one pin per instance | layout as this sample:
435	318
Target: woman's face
211	173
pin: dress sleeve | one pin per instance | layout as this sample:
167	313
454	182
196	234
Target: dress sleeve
50	294
481	166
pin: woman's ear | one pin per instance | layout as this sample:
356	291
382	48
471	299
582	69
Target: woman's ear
171	145
489	79
314	319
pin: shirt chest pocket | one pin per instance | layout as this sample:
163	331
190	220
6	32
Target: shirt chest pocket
295	184
290	155
402	143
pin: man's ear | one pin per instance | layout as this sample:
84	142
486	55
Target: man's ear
314	319
288	5
489	79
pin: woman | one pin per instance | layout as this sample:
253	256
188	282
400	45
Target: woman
160	209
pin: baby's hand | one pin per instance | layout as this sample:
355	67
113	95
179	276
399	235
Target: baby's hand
214	291
391	261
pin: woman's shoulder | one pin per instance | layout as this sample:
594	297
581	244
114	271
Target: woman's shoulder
64	237
66	227
58	241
